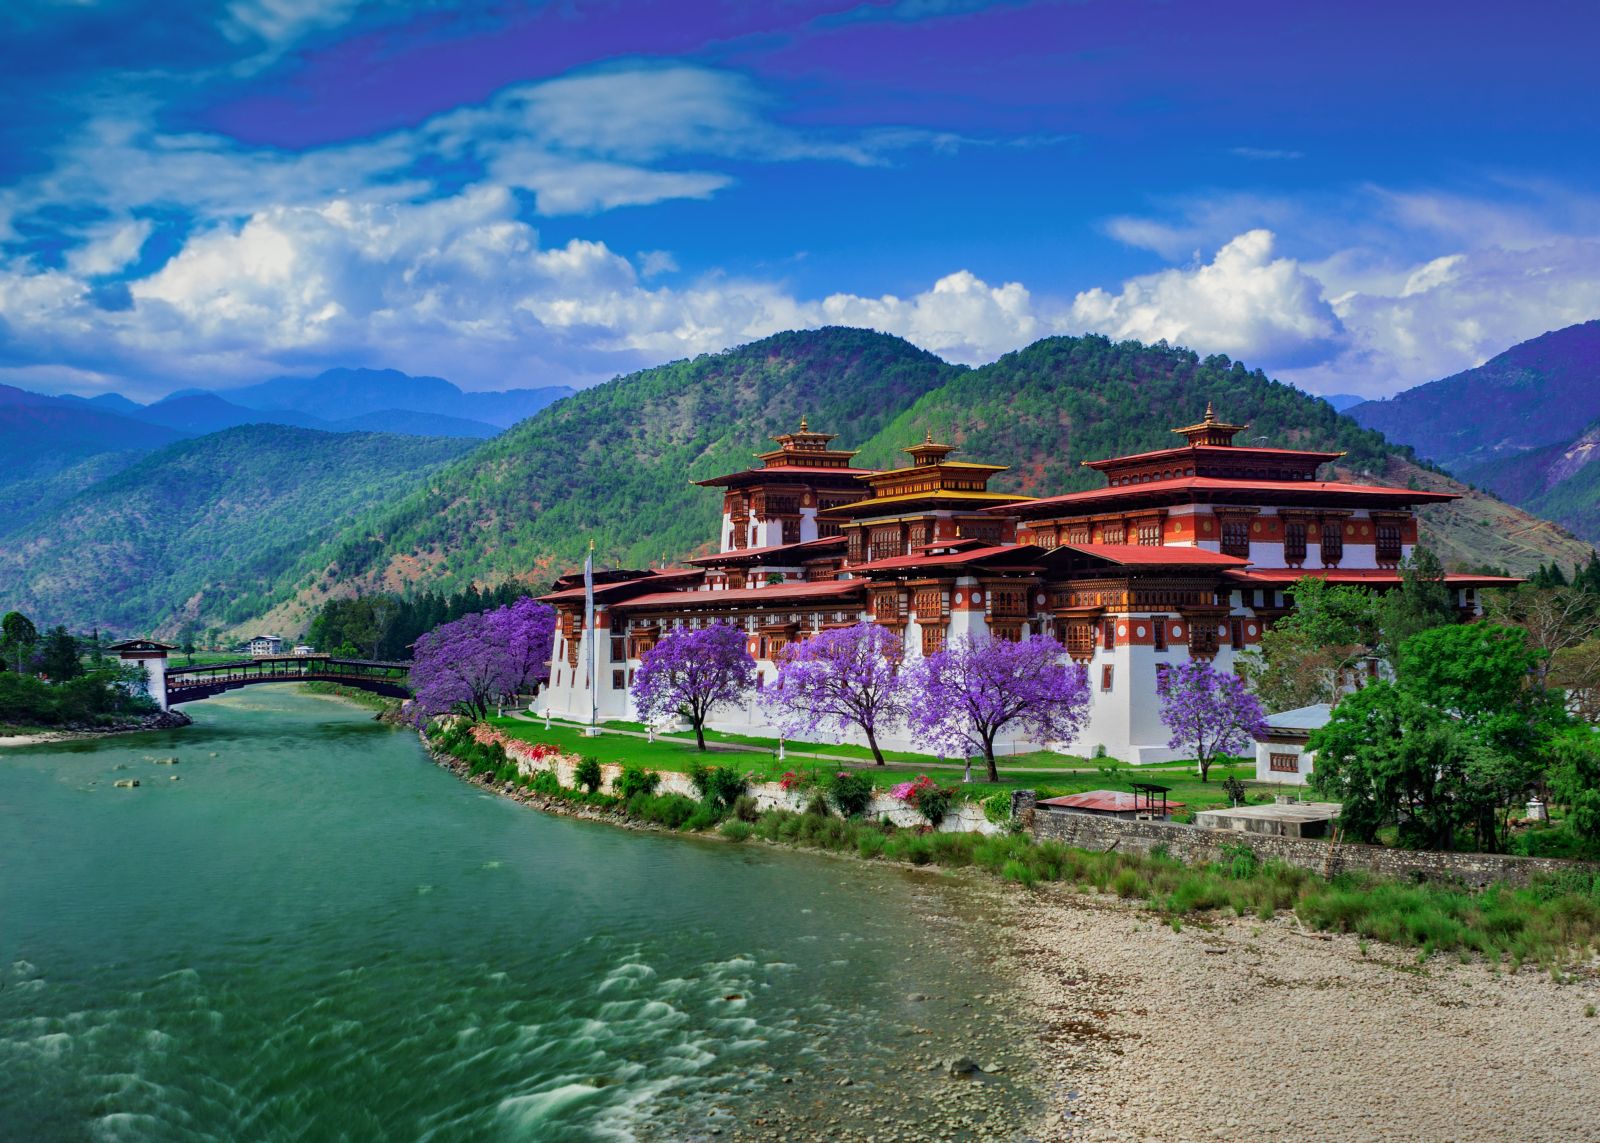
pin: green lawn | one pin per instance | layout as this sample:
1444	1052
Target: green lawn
1028	772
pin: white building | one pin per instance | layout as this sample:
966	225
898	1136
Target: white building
264	645
1281	754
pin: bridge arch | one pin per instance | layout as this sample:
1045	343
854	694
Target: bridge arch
170	685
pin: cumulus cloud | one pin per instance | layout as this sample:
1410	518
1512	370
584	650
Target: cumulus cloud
962	318
1244	302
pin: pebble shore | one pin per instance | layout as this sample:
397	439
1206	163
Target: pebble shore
1244	1029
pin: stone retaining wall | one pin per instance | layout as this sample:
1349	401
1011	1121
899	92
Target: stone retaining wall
965	818
1192	844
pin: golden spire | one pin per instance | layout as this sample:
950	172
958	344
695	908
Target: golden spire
803	427
1210	416
929	438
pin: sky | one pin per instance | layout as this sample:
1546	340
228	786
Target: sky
1356	197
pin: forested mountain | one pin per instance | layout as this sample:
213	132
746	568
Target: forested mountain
339	394
1560	482
42	435
614	463
1524	425
207	532
206	529
1539	392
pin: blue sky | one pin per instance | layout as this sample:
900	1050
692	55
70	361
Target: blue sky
1354	196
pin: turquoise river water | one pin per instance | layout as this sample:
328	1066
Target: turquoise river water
316	933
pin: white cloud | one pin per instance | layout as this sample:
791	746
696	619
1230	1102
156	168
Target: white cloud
962	318
109	248
1245	302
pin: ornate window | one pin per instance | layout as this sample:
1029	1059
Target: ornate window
1236	537
1159	627
1078	534
1332	542
1388	545
932	638
1113	534
1105	677
1149	533
619	648
1108	634
791	530
1294	542
617	680
1284	763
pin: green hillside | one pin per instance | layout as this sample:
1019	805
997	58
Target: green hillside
262	525
1064	400
613	463
205	529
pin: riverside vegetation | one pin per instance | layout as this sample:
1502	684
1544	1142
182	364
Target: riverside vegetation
1551	922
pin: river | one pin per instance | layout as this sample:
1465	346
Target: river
315	933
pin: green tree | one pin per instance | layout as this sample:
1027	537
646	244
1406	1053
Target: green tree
18	638
1421	601
1449	748
1485	676
1575	780
1304	657
59	656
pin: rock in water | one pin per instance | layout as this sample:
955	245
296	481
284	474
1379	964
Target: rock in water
126	783
959	1066
173	761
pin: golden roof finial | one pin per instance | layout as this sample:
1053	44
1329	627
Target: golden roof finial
1210	416
803	423
929	438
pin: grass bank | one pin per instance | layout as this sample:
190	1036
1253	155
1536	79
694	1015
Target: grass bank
1066	775
1551	923
352	694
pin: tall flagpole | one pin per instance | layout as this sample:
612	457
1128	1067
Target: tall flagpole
589	631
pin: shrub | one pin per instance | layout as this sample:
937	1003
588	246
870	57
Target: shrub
817	807
997	808
929	799
670	810
587	774
705	815
635	780
1240	860
850	793
737	830
719	786
746	808
545	782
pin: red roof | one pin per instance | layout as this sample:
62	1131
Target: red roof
807	546
802	592
1165	555
746	475
1108	801
1217	451
1278	576
601	590
972	555
1217	484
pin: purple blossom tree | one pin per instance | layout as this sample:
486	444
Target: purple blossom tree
466	665
1209	712
693	671
842	679
964	696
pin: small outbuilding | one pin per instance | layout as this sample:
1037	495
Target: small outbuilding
1282	819
1147	802
1281	754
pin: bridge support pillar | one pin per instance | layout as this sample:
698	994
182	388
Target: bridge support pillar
152	657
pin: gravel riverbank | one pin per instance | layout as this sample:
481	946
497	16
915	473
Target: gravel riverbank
1256	1030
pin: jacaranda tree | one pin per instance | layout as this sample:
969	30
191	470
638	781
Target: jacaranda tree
964	697
847	678
691	672
1209	712
467	665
